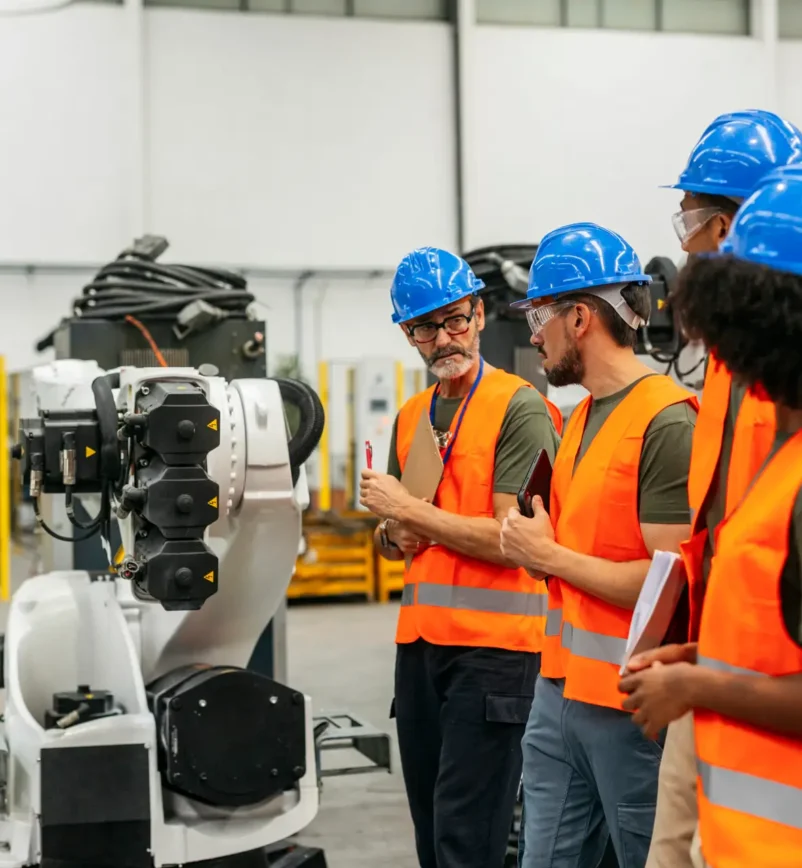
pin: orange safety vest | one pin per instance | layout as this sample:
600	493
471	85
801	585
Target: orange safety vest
749	780
594	510
450	599
752	440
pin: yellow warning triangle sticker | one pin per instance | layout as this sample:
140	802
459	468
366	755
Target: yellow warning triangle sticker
209	576
212	425
213	502
90	452
661	303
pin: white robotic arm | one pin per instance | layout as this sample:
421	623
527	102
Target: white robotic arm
134	733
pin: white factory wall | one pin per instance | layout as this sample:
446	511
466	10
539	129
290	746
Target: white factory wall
789	75
66	150
576	124
300	142
295	142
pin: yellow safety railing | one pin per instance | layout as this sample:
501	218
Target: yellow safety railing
324	474
5	489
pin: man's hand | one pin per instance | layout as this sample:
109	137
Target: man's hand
665	654
528	542
382	494
409	543
658	695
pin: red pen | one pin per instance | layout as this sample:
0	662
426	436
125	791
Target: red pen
369	454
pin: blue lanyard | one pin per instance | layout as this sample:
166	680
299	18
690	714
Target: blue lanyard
465	403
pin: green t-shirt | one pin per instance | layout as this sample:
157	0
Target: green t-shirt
527	427
664	461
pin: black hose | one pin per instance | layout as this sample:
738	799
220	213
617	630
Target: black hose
107	424
304	441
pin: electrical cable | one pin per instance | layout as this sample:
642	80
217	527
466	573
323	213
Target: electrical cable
49	530
136	287
149	338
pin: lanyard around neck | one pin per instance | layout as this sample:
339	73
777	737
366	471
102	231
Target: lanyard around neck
464	407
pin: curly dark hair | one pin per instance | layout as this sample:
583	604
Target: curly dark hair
750	316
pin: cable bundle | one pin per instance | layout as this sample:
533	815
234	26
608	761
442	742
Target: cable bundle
136	285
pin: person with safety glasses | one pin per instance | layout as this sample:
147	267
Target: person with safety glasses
734	431
471	623
742	673
618	493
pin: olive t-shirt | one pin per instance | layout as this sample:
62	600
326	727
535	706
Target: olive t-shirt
527	427
664	461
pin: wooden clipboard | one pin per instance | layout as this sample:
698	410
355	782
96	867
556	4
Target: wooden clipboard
424	465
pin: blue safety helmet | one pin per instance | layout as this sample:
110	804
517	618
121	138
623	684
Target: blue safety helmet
736	151
429	278
578	257
767	230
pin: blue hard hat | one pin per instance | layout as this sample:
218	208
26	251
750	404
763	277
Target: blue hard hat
736	151
429	278
767	229
581	256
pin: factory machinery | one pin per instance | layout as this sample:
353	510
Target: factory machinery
142	727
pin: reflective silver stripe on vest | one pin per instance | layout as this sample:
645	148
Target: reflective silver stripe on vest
554	622
721	666
593	646
738	791
476	599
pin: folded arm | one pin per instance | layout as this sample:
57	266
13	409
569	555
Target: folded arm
473	537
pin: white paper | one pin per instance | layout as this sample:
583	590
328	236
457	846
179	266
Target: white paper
656	604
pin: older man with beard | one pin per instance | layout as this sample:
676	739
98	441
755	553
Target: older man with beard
471	622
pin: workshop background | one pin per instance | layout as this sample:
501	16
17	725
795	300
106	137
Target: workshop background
310	144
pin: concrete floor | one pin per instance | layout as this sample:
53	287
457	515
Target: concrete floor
342	655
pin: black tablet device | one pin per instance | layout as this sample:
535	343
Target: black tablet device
537	481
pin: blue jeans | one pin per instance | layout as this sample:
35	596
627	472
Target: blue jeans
589	775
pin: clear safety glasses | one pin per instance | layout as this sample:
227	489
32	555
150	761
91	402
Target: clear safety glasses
688	223
537	317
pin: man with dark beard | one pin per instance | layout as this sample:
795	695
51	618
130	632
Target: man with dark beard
471	623
619	492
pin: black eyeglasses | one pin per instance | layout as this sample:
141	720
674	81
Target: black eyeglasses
426	332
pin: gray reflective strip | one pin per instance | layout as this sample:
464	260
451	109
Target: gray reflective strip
408	595
738	791
482	599
554	622
593	646
721	666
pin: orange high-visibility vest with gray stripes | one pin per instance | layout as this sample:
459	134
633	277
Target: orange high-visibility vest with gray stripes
752	440
749	781
595	511
450	599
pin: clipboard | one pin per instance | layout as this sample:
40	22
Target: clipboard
423	469
656	604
